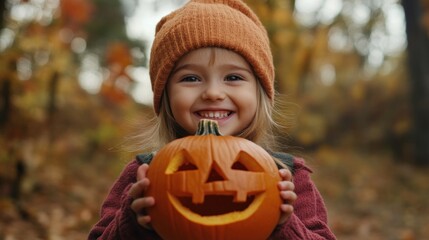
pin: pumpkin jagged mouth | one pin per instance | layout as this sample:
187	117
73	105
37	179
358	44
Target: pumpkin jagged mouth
214	205
209	215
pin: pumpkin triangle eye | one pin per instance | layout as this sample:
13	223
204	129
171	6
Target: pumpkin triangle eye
181	161
239	166
245	162
186	166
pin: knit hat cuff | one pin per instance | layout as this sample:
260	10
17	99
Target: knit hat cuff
201	25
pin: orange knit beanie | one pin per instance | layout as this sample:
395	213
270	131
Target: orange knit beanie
228	24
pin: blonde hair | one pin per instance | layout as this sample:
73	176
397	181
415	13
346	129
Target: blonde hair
162	129
214	23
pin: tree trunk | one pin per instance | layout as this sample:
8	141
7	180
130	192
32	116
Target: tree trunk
5	102
418	59
52	91
2	13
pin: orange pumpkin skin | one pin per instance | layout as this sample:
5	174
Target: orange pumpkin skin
213	187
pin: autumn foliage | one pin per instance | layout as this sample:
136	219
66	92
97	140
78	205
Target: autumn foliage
59	142
76	13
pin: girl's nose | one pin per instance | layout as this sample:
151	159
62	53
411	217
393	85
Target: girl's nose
214	92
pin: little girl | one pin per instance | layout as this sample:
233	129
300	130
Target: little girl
211	59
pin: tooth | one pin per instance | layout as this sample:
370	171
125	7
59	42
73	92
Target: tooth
215	115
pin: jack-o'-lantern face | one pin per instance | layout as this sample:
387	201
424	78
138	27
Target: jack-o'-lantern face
213	185
220	184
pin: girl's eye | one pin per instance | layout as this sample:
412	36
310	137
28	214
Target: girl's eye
190	79
234	78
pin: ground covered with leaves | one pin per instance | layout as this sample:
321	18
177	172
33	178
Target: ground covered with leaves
369	196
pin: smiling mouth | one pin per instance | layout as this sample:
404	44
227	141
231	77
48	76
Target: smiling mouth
214	114
215	205
216	209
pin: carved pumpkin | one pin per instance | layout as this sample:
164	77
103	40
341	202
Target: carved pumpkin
216	187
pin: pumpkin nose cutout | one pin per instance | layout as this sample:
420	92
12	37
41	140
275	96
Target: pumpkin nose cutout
214	176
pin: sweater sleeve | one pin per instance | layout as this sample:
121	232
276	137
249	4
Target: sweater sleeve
117	220
309	220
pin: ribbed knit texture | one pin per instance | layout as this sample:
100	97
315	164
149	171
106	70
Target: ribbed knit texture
228	24
309	220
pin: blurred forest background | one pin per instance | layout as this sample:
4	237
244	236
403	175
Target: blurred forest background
74	85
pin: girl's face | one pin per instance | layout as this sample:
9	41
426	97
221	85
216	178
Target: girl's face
213	83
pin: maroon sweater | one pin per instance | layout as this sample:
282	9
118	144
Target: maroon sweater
309	220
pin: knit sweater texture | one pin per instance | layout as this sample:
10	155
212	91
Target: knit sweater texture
308	221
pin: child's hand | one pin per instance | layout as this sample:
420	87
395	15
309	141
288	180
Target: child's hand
286	188
140	203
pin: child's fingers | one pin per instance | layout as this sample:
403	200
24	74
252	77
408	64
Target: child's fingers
139	188
288	197
286	186
287	194
285	174
144	220
140	204
142	171
286	209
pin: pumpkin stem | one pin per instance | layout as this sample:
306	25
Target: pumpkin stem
208	126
